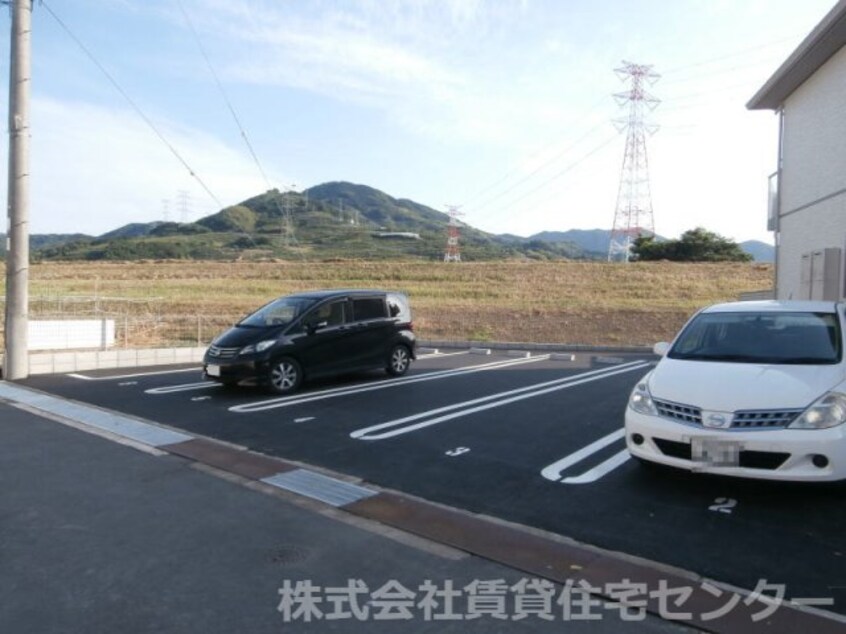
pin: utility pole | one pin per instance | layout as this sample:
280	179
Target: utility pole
16	362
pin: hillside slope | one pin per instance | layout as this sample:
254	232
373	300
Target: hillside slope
333	220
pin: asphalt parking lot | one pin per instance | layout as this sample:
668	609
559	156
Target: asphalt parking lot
536	440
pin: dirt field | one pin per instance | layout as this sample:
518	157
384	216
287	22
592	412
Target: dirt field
562	302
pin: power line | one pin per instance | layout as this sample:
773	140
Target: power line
286	223
131	102
721	72
504	178
718	72
585	157
224	94
729	55
558	175
545	164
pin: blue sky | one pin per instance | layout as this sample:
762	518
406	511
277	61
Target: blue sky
503	107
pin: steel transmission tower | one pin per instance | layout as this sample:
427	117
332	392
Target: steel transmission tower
633	215
286	228
183	203
452	253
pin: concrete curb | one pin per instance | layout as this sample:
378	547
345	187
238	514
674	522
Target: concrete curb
65	361
533	347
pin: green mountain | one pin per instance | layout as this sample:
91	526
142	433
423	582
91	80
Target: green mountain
377	207
41	240
595	242
333	220
132	230
760	251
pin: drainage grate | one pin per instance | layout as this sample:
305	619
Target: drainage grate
319	487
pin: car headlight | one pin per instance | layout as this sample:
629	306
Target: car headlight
641	400
828	411
257	348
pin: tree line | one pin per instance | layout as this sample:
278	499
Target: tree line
696	245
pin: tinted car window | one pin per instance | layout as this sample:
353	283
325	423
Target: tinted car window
398	307
278	312
369	308
767	337
332	314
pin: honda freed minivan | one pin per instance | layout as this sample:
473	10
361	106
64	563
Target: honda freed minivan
315	334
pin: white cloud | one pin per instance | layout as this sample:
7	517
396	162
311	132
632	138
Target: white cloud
405	58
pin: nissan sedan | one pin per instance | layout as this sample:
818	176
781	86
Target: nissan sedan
749	389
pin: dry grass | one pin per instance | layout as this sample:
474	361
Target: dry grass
567	302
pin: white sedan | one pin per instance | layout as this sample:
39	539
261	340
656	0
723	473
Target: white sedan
750	389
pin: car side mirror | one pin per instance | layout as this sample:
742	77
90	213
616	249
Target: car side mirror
313	326
661	348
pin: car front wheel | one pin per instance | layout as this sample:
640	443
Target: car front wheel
285	376
399	361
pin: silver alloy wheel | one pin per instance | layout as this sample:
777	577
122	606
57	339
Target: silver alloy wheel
284	376
399	360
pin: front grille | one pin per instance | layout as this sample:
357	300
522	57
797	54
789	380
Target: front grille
674	449
223	353
676	411
764	419
769	460
744	420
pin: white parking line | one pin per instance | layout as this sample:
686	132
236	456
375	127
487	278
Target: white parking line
441	354
502	398
600	470
129	376
484	399
182	387
553	472
187	387
296	399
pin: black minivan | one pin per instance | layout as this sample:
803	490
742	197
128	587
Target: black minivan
315	334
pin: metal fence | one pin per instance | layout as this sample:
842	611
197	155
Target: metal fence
138	323
155	323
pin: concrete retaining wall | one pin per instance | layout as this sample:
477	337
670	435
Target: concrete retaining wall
61	362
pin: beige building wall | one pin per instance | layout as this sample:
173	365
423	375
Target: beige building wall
812	209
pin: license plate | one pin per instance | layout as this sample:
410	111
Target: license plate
715	453
213	370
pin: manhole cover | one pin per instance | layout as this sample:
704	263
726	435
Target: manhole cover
288	555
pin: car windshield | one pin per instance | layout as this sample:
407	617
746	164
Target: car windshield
761	337
279	312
